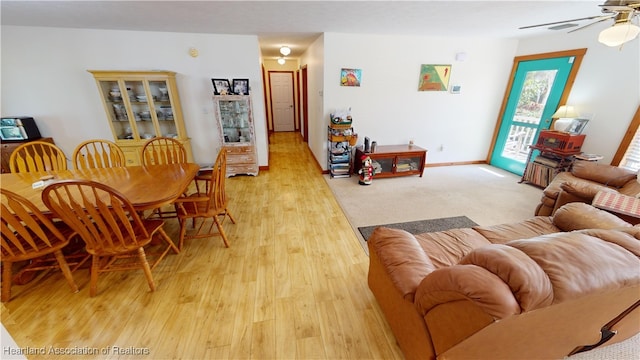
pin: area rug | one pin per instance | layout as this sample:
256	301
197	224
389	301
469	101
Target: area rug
423	226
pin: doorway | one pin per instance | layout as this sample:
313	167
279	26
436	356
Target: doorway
282	95
539	83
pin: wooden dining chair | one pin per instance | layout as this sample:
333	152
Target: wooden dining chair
113	232
98	153
211	204
29	235
163	150
36	156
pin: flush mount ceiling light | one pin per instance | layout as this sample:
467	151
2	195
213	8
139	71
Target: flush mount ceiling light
281	61
285	50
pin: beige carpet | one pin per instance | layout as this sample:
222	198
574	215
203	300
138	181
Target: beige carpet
485	194
482	193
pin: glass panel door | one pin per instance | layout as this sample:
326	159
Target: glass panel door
534	96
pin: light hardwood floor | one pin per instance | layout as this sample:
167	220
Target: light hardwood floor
293	284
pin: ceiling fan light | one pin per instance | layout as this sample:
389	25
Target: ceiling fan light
619	34
281	61
285	50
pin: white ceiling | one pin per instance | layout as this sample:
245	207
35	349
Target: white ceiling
298	23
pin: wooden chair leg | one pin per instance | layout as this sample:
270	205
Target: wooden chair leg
95	268
166	238
146	268
226	211
183	231
221	231
6	280
66	271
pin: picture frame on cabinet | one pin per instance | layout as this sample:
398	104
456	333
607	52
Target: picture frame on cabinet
241	86
221	86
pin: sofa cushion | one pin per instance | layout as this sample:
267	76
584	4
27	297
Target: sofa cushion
577	216
579	264
553	189
502	233
626	237
446	248
605	174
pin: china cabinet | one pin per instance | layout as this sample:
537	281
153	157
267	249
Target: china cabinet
237	133
141	105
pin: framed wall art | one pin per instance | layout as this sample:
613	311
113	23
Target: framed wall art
240	86
434	77
221	86
350	77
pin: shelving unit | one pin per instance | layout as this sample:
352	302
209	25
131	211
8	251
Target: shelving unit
237	133
141	105
340	150
546	165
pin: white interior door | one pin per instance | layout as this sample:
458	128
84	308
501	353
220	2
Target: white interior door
282	100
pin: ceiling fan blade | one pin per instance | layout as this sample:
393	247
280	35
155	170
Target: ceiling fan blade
593	23
560	22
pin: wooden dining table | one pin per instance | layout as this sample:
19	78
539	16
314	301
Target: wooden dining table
146	187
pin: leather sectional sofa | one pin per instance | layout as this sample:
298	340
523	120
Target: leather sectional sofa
582	182
540	288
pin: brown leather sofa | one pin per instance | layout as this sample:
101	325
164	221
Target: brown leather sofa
582	182
535	289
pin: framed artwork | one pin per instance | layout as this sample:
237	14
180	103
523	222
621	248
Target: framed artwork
221	86
434	77
241	86
350	77
577	125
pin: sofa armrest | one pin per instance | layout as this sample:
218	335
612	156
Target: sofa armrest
583	189
609	175
466	282
402	258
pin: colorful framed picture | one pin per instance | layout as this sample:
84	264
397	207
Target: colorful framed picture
221	86
240	86
350	77
434	77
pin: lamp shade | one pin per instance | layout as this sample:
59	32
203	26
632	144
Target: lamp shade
285	50
619	34
565	111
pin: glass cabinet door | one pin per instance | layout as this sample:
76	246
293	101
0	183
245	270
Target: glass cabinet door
161	101
383	165
234	115
139	109
408	163
114	93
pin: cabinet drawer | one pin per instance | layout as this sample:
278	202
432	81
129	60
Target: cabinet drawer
239	149
242	169
241	158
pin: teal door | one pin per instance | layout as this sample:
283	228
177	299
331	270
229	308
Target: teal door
534	96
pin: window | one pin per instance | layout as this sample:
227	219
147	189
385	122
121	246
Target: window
628	154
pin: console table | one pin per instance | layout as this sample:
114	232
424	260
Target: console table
393	160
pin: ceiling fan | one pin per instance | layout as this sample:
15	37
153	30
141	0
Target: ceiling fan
623	12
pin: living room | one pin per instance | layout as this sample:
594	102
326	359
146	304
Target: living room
44	75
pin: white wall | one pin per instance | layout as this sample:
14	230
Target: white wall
314	60
606	87
44	75
389	109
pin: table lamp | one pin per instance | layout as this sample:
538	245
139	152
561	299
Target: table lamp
564	117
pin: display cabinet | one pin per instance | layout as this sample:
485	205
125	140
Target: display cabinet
394	160
141	105
237	133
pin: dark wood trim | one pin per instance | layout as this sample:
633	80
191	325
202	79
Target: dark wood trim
305	105
628	137
577	53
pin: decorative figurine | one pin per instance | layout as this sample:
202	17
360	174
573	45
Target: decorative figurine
366	171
